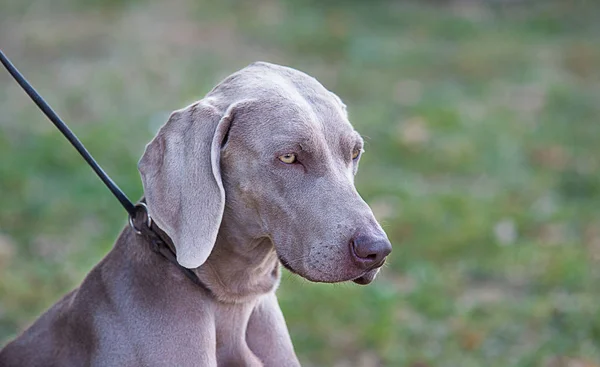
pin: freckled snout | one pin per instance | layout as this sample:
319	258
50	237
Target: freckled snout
369	252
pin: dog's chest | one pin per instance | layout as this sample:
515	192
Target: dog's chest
231	322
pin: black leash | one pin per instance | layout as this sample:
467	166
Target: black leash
137	213
47	110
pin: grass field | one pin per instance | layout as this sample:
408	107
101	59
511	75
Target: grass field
482	122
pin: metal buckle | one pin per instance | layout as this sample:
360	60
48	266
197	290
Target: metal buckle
138	207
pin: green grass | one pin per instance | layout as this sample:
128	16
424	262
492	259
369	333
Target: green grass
482	127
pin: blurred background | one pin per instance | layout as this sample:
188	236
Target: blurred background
482	161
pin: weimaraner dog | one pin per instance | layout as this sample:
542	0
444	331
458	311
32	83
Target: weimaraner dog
258	173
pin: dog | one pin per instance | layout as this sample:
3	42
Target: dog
257	174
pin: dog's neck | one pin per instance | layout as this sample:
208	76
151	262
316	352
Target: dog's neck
240	268
233	273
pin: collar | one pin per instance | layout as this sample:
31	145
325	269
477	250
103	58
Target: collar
160	243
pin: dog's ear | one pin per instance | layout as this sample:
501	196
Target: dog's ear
181	175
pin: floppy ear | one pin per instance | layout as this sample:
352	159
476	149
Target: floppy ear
181	175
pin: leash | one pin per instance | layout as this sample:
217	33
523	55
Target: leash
138	213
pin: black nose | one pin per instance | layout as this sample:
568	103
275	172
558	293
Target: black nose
368	251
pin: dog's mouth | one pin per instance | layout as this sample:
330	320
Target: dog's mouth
364	279
286	264
370	275
367	278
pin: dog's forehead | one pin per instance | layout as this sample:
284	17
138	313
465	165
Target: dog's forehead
287	100
267	81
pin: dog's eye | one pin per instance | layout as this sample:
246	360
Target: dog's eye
355	153
288	158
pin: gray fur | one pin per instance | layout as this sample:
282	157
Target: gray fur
213	182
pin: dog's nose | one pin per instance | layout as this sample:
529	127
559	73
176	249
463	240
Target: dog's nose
369	252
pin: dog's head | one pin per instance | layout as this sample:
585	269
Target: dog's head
271	152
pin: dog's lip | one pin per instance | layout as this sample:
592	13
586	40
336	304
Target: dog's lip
286	264
369	275
364	279
378	265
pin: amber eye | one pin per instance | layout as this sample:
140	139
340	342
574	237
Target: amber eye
355	153
288	158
